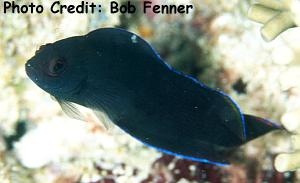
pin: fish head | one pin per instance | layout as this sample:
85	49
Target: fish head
56	68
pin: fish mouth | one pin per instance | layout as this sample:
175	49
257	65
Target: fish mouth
33	74
30	71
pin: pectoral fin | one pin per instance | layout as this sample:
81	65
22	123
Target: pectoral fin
70	109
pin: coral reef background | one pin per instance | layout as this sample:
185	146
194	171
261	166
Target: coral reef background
216	43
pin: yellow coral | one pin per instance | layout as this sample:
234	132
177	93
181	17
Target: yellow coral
277	16
290	161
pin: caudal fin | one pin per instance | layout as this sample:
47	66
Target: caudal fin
256	126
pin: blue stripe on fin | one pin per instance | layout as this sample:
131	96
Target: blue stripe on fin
201	160
224	95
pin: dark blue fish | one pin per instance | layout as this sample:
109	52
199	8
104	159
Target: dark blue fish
118	73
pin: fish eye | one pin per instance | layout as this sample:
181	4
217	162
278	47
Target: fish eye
56	67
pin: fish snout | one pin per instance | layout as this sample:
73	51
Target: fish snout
30	70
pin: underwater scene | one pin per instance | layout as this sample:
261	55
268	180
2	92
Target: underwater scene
157	91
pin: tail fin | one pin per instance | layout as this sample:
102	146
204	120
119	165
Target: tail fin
256	126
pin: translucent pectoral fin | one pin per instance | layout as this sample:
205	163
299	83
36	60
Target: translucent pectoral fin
70	109
82	113
107	123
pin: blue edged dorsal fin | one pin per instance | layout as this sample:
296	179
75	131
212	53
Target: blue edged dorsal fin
233	114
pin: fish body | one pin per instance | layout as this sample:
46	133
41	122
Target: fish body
118	73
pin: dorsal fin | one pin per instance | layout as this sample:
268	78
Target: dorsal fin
232	113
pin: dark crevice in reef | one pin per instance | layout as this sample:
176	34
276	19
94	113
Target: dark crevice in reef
240	86
20	130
